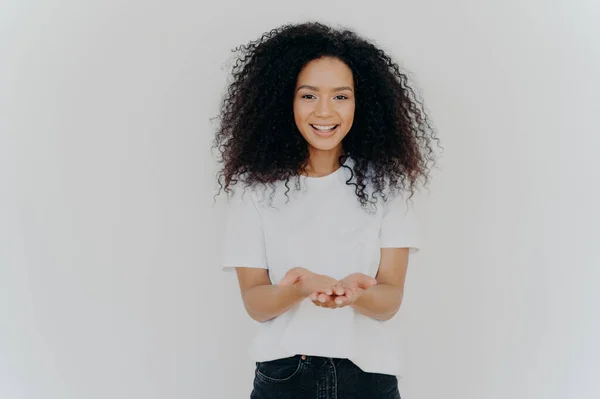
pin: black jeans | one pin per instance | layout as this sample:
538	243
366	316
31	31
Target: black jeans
311	377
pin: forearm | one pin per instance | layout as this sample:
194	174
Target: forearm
264	302
380	302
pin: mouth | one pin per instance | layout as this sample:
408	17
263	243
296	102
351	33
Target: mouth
324	130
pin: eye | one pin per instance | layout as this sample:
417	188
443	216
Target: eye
308	96
341	97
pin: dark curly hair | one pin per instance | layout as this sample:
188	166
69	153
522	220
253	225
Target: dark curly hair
260	144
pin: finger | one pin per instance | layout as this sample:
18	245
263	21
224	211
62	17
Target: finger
331	303
331	285
325	289
350	289
338	290
352	293
322	298
328	304
344	300
313	297
327	301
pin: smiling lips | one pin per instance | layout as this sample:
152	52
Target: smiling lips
324	130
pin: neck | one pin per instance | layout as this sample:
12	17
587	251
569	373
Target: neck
323	163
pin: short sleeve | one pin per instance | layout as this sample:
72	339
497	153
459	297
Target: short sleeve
243	243
399	227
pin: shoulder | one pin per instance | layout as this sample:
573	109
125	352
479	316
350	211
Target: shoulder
262	196
240	198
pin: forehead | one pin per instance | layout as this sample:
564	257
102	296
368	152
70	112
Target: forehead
326	72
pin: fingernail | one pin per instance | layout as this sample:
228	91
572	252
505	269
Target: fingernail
338	301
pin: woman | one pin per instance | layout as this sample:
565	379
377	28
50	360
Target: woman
326	142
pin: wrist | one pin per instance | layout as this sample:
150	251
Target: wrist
358	301
294	279
300	285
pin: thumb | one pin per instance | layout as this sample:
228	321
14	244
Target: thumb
367	282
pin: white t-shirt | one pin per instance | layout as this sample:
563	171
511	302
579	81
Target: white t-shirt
322	228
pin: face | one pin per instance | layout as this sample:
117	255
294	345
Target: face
324	103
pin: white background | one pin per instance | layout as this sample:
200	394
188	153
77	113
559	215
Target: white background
109	277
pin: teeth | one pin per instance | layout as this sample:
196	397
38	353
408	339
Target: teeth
322	127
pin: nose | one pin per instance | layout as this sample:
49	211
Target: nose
324	108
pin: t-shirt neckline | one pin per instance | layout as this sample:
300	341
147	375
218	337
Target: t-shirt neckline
318	179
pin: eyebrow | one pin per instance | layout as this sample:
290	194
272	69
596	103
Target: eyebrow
313	88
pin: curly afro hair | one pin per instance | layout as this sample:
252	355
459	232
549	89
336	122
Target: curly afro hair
260	144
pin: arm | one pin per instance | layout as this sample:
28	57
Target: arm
264	301
382	301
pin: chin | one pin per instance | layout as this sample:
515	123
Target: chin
321	147
323	143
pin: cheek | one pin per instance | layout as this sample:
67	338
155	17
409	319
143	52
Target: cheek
347	114
300	112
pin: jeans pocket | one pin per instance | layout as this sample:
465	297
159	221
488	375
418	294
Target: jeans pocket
280	370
